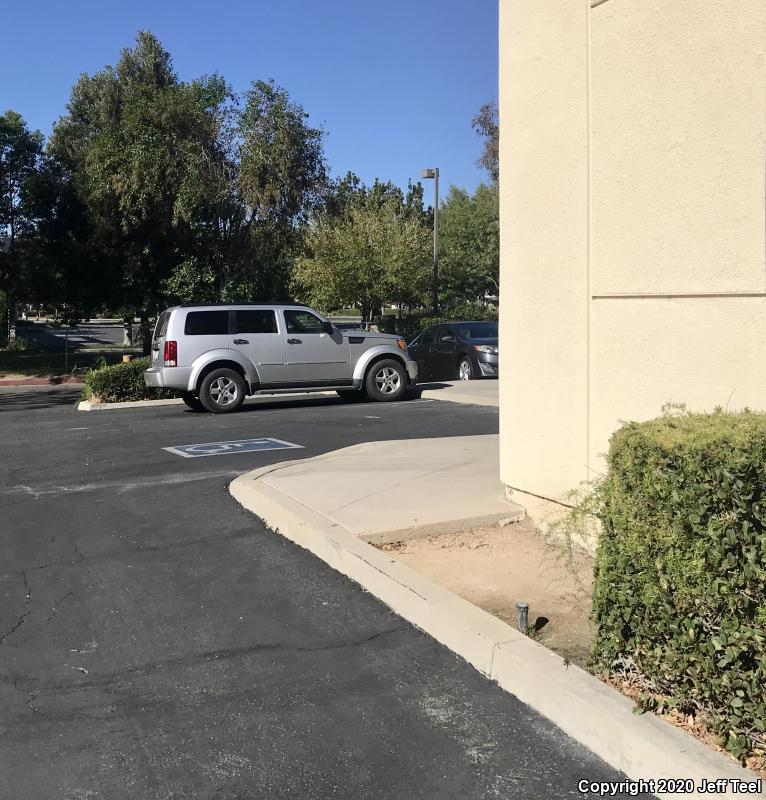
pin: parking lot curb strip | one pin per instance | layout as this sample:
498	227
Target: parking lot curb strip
592	713
87	405
450	396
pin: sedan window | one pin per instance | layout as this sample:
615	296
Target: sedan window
428	335
477	330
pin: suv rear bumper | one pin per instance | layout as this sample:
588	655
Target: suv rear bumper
168	377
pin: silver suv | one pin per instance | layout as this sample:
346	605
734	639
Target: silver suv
217	354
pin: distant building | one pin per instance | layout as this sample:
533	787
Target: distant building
632	212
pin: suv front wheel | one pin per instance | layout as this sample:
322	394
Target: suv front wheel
222	391
386	381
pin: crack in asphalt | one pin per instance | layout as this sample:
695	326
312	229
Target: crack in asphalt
150	548
98	681
120	486
27	604
56	603
31	695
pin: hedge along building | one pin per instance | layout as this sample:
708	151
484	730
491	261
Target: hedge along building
633	223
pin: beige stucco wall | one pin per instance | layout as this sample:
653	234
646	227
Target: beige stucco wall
543	383
633	222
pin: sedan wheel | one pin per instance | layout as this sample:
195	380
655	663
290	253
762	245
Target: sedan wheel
386	381
222	391
465	370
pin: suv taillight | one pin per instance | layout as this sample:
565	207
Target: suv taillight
170	355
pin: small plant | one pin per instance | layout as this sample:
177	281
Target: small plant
122	382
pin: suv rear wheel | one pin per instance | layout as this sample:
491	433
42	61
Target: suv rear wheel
352	395
386	380
222	391
192	401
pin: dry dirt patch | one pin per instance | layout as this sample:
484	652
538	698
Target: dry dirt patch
496	567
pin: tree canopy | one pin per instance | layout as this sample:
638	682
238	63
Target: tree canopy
369	248
487	125
470	244
154	190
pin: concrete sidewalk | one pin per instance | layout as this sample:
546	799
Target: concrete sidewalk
387	491
382	491
479	393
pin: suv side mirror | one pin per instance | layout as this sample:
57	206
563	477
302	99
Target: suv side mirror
328	328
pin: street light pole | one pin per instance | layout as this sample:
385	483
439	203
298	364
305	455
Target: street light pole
434	173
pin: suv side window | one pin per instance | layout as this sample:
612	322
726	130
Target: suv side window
162	324
302	322
262	320
207	323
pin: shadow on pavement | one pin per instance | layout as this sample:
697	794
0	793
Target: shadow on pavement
263	404
422	387
36	397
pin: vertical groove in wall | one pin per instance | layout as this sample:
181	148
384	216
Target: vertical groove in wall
587	238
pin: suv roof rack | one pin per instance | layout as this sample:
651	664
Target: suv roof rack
246	303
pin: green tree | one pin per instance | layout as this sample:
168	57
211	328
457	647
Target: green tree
375	251
137	144
267	176
59	265
20	154
487	125
470	245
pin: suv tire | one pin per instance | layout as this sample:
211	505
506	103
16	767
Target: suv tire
192	401
386	381
352	395
222	391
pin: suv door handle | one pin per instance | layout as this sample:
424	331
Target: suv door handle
241	341
295	341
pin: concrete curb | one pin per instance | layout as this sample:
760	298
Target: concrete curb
597	716
87	405
437	528
451	396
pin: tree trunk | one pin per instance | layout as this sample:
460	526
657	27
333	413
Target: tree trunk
146	334
12	316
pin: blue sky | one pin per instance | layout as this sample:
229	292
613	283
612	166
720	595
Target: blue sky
394	83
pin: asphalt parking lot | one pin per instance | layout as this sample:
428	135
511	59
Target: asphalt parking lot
156	641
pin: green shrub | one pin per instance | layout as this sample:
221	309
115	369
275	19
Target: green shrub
122	382
680	582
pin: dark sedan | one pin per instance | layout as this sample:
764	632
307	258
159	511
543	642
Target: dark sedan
456	350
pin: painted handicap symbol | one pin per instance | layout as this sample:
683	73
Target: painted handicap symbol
202	449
